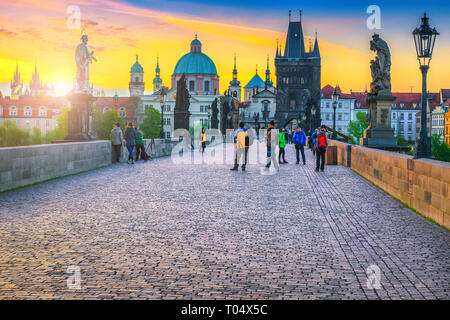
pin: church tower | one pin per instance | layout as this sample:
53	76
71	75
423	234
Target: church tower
298	74
157	82
268	82
16	84
136	85
35	84
235	85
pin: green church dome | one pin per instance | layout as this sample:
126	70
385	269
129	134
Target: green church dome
195	62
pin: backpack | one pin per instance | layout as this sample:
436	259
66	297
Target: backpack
322	140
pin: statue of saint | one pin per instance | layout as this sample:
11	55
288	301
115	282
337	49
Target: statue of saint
380	67
83	58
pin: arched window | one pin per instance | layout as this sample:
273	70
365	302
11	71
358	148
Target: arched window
137	79
42	111
234	93
122	112
28	112
13	111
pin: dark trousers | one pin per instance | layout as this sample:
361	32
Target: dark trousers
140	152
299	149
130	152
320	156
241	152
282	152
117	148
203	146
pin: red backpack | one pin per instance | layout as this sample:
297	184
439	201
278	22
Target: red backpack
322	140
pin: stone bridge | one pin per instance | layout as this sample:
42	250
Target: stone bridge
157	230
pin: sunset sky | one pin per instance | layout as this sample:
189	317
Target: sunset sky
36	31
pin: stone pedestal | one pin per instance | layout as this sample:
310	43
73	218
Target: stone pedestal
181	119
79	123
379	134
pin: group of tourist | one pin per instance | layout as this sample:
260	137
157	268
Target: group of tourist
317	141
133	140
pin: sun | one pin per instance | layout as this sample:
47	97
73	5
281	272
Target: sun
61	89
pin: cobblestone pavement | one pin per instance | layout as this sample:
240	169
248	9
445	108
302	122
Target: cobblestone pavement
155	230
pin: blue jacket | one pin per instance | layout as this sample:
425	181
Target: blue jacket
299	137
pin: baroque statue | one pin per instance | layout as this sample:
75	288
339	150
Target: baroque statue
83	58
380	67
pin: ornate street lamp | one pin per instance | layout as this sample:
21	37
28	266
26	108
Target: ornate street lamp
313	114
334	100
163	99
209	116
424	39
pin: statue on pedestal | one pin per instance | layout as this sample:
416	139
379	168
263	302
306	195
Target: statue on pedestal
181	112
81	97
379	134
215	114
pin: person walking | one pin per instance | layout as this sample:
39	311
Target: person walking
321	145
140	149
270	155
299	140
116	141
203	140
314	140
282	145
130	139
241	140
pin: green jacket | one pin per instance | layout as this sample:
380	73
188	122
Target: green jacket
282	139
139	140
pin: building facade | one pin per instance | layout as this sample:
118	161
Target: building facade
28	112
202	82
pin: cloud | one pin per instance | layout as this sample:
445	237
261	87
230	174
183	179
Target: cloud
7	33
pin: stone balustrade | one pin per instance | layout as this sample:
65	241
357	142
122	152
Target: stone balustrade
423	184
21	166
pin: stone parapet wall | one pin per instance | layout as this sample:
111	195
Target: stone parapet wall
344	152
21	166
423	184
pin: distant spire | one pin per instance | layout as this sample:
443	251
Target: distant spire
300	15
195	36
277	50
290	13
316	51
256	69
235	60
137	57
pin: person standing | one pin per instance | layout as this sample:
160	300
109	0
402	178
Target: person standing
270	155
321	149
203	140
241	140
140	149
299	140
130	139
116	141
314	140
282	145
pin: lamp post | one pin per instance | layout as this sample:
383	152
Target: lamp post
424	39
313	114
163	99
209	116
334	100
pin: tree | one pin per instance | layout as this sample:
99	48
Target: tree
356	128
151	125
11	136
440	150
36	136
103	123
